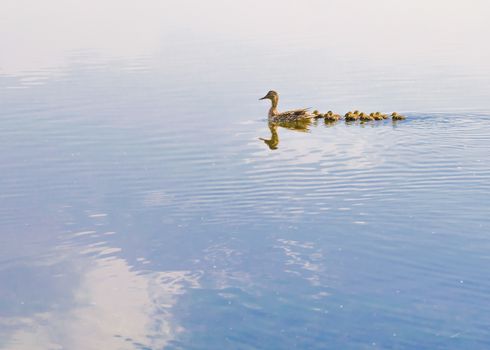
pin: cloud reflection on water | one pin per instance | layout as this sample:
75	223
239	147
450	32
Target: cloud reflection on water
113	307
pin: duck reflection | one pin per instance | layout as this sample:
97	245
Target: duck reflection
298	125
273	142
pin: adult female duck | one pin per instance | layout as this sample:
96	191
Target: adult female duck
289	116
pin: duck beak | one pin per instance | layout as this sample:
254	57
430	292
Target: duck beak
263	98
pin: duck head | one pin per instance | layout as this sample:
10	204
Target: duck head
274	97
271	95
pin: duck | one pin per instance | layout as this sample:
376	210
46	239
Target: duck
288	116
396	116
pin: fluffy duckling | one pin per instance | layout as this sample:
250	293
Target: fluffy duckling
317	115
364	117
350	117
396	116
376	116
331	117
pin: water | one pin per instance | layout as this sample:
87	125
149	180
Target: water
140	209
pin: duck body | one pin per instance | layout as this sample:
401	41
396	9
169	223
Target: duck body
290	116
284	117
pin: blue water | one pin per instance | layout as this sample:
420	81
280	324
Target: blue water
141	210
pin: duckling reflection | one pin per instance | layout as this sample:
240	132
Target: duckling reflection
298	125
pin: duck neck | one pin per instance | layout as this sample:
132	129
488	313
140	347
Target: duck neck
273	111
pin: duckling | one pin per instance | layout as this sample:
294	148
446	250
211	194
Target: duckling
382	115
276	116
351	117
376	116
330	116
317	115
364	117
396	116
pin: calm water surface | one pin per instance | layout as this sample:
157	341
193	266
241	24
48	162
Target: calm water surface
141	210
